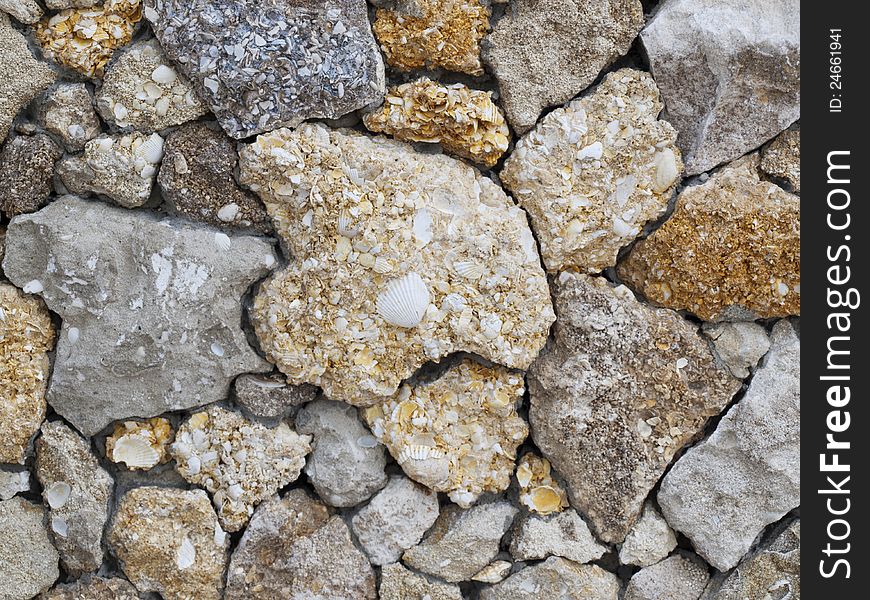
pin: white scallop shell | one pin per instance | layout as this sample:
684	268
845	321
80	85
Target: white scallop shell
404	301
347	225
382	265
59	526
57	494
151	149
185	556
135	452
222	241
164	74
469	269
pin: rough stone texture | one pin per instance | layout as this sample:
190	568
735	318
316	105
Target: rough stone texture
730	251
464	121
346	466
93	588
156	320
649	541
619	392
729	73
539	491
77	490
13	482
62	4
398	583
85	39
169	541
564	534
746	475
260	68
674	578
143	91
772	572
140	445
17	91
67	111
738	345
556	579
462	541
196	178
28	561
239	461
594	173
432	34
121	167
270	396
781	159
366	218
544	52
26	336
26	170
395	519
24	11
292	549
457	434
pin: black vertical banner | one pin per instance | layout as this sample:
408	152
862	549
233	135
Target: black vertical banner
834	250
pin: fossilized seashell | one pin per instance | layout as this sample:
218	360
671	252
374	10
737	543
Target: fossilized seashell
666	170
545	499
151	149
57	494
347	224
164	74
222	241
469	269
59	526
382	265
135	451
404	301
417	452
185	556
524	475
405	411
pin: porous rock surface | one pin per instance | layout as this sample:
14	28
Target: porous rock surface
240	462
434	34
28	560
556	578
730	250
26	169
93	588
675	578
13	482
260	68
169	541
729	73
399	258
24	11
781	159
462	541
619	392
197	181
168	301
771	572
17	91
746	475
142	90
270	396
395	519
345	466
121	167
738	345
398	583
564	534
464	121
293	549
594	173
26	337
77	490
67	111
649	541
545	52
457	434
